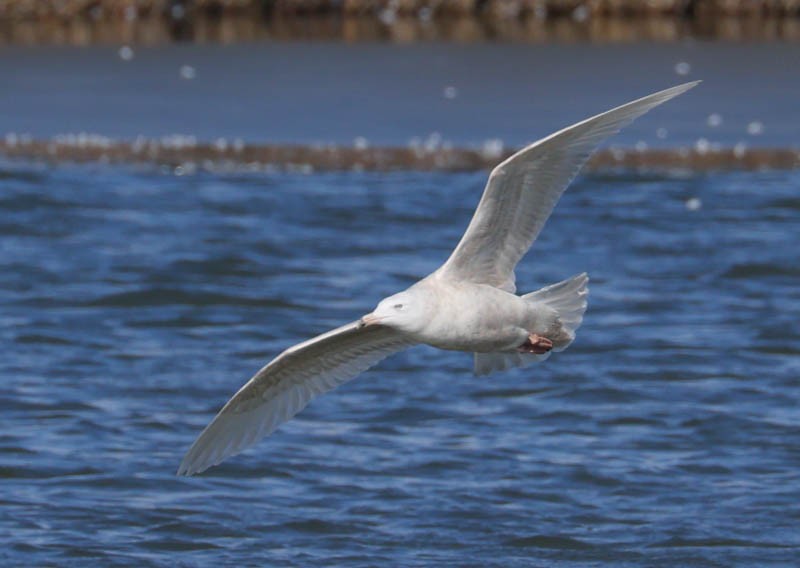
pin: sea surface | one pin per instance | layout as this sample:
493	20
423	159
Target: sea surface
134	302
371	93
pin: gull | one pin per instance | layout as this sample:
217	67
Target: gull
468	304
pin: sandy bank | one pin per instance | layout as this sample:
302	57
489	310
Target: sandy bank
190	156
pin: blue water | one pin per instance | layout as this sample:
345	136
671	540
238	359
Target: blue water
135	302
310	92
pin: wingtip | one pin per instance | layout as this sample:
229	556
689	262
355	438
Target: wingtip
189	471
682	88
193	465
648	102
691	84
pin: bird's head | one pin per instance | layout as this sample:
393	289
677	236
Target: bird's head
404	311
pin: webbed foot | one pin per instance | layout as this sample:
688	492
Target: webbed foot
536	344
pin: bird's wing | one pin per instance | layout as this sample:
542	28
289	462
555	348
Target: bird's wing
523	190
286	385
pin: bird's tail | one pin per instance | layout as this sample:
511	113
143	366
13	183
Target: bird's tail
568	298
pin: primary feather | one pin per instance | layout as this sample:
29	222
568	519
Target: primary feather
286	385
523	190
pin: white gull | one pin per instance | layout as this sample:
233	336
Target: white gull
468	304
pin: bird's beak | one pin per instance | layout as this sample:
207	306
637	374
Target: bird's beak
370	319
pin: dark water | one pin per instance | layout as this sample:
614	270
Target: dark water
463	94
135	302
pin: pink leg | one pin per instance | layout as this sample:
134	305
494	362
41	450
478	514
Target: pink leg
536	344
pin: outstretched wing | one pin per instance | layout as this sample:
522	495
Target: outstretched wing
523	190
286	385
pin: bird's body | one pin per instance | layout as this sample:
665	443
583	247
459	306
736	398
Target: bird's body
468	304
463	316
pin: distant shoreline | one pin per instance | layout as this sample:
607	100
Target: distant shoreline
187	156
157	22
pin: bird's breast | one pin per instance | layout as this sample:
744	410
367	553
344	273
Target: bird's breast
475	318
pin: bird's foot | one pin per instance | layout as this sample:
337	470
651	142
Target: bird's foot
536	344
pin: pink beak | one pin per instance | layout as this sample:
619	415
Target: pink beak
370	319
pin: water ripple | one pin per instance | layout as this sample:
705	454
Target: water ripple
134	303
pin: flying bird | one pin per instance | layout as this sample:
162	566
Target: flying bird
468	304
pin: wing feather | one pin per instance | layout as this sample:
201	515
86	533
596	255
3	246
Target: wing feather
286	385
523	190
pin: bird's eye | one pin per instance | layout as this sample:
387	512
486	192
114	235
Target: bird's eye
398	306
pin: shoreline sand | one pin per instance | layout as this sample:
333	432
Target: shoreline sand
189	156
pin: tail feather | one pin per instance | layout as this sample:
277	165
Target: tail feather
568	299
486	363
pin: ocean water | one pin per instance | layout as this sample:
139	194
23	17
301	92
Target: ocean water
134	302
464	94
